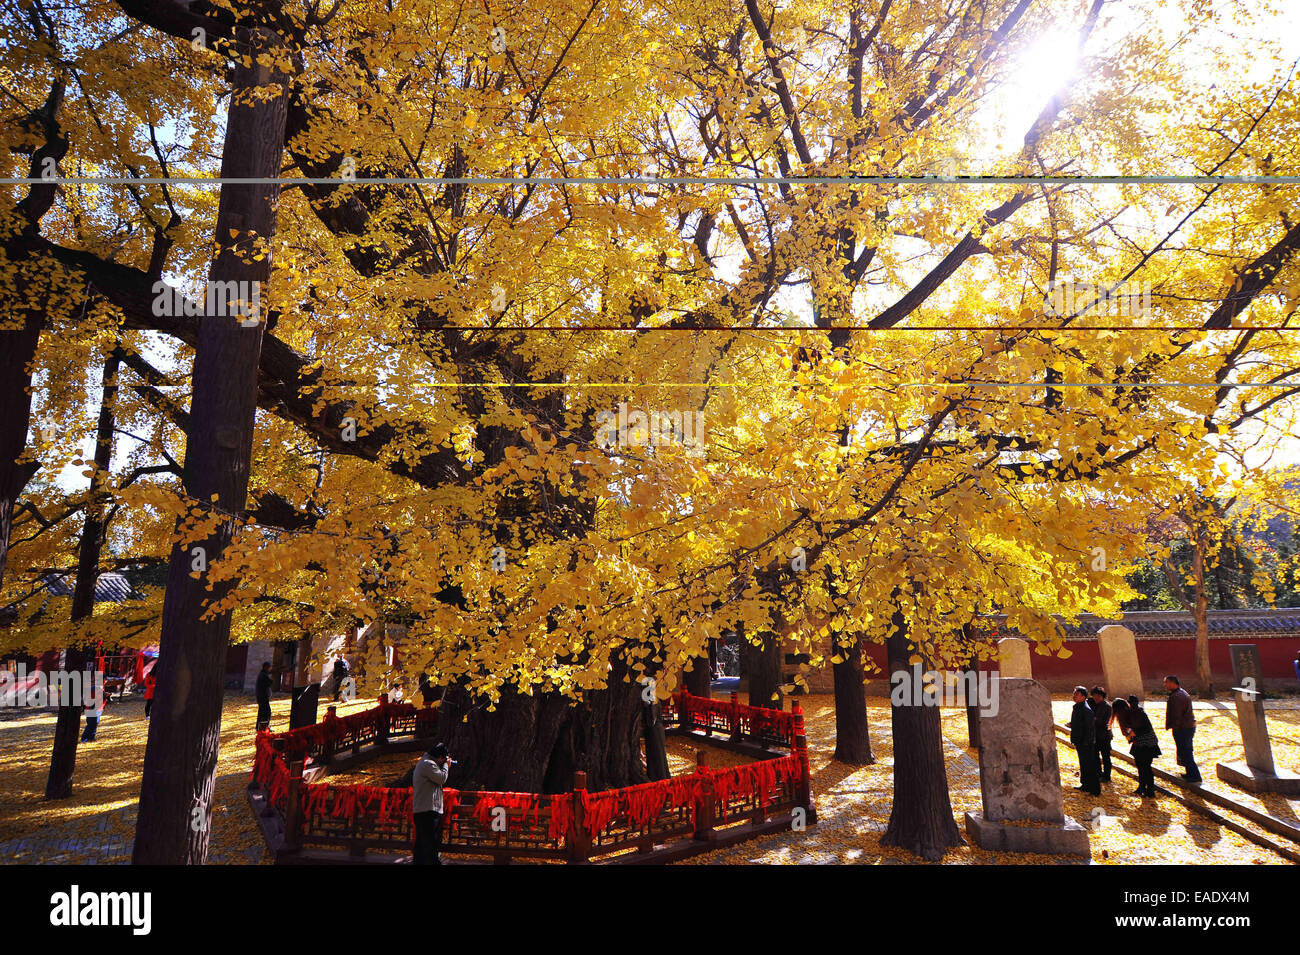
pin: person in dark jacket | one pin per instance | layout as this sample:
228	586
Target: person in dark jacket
1083	734
1136	727
263	692
1181	723
341	671
1101	712
94	713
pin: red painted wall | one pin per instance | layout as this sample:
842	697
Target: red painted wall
1156	658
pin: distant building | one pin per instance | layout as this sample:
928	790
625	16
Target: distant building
1166	643
110	587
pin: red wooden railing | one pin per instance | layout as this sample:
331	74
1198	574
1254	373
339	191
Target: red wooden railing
740	723
706	806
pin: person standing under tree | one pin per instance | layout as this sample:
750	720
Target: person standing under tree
1101	712
264	697
94	713
341	670
427	781
150	684
1180	721
1137	729
1083	734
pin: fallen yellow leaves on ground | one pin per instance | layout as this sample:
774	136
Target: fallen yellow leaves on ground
853	802
96	825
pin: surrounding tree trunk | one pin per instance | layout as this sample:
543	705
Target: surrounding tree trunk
920	819
656	746
22	316
63	756
67	732
763	666
17	351
973	706
1204	677
181	755
852	736
699	678
535	743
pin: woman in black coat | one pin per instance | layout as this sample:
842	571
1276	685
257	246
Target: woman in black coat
1137	729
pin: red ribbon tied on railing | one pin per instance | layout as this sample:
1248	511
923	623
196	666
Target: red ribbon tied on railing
599	810
641	805
561	816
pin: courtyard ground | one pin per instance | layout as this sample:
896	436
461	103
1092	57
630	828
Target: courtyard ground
96	825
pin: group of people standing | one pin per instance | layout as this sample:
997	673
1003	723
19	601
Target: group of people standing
1091	731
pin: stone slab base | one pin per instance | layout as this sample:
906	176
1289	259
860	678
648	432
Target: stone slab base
1068	839
1253	781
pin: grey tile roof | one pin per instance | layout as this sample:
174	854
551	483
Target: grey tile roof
111	588
1158	624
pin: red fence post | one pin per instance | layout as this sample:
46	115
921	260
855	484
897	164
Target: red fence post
579	838
803	791
293	818
381	724
706	802
688	714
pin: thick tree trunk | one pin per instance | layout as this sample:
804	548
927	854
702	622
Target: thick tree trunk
699	678
63	756
921	819
536	743
1204	676
973	707
22	316
852	736
67	732
763	667
656	746
17	350
181	755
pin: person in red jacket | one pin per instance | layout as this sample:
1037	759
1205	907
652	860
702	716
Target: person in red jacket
150	682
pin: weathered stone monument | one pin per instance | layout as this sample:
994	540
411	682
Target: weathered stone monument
1020	778
1013	659
1258	774
1119	662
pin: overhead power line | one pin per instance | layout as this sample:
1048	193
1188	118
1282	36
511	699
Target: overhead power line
1101	180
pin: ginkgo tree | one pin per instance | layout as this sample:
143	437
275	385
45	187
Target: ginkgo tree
887	389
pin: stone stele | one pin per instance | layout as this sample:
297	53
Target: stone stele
1119	662
1013	658
1020	778
1258	773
